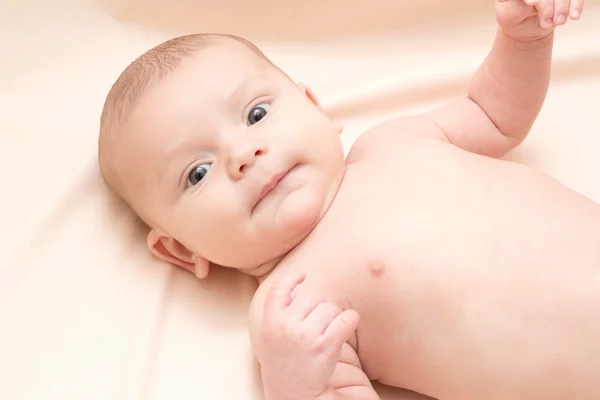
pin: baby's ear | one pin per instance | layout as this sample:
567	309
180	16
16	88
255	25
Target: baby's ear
170	250
309	93
339	127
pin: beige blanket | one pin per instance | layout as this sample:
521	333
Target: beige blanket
85	312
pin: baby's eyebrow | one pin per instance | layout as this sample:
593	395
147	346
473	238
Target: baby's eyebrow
246	87
177	154
241	88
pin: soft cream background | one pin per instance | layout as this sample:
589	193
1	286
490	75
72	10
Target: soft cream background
85	313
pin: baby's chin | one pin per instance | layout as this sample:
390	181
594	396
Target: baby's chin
298	213
284	222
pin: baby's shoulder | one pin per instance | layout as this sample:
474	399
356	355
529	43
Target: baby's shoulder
405	131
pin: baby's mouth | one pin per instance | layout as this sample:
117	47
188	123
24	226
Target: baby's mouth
269	185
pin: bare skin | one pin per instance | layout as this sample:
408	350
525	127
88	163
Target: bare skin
421	261
463	268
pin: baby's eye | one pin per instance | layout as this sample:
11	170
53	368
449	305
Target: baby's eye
197	174
257	113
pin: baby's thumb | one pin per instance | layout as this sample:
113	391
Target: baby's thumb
342	328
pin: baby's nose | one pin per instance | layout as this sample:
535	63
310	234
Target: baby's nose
243	158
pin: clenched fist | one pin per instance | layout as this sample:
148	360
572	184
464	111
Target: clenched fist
301	338
534	19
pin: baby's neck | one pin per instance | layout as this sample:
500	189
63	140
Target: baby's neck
264	270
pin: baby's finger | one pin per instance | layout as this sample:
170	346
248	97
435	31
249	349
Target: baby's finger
320	318
575	9
561	11
341	329
546	13
303	303
279	295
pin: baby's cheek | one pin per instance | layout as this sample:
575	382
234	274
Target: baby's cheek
299	211
205	225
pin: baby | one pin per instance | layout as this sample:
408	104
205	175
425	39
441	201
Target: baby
473	277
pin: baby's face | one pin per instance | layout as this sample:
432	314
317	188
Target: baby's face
231	159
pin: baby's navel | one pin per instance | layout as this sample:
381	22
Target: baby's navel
377	268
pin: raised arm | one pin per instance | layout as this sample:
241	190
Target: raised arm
509	89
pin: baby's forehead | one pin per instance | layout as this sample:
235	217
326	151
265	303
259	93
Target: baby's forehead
216	73
226	56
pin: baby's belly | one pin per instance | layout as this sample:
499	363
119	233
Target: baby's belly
469	272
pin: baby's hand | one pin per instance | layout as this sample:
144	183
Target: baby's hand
301	339
534	19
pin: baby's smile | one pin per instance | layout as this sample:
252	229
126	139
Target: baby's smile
268	188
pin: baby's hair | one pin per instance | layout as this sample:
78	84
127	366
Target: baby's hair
139	77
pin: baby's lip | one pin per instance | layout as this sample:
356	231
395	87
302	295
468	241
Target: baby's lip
269	185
